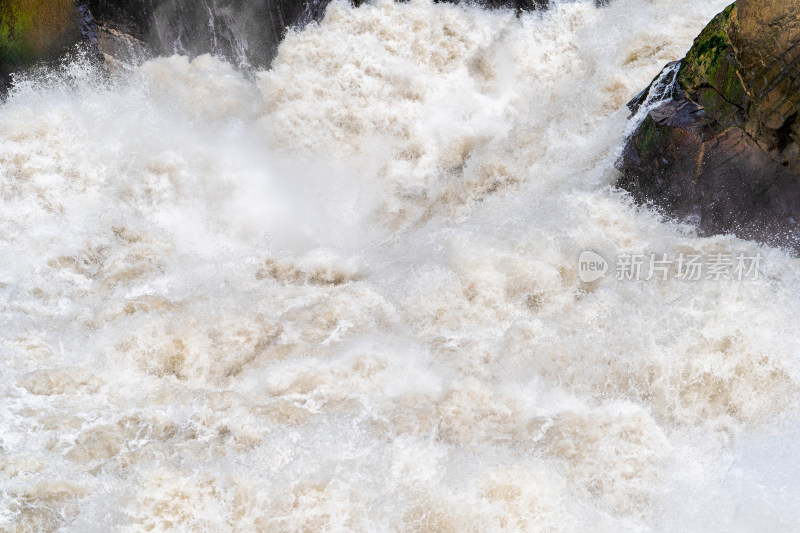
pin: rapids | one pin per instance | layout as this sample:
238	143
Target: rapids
342	294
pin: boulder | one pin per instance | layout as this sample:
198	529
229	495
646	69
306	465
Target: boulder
722	148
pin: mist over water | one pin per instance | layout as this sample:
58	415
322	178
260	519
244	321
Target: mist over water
342	294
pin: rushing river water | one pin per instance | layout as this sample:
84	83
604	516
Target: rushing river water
343	294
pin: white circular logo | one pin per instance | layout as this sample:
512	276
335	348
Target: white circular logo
591	266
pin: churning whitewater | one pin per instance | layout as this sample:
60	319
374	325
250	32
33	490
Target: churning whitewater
342	294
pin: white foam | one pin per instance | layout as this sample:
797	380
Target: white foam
345	297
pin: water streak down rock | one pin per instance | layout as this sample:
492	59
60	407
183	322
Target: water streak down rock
245	32
723	151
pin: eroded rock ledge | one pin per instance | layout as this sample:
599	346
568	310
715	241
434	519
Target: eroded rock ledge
723	151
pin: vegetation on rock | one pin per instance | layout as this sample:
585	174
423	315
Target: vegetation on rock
34	29
724	151
709	72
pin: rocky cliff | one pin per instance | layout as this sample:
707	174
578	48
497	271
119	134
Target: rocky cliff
723	149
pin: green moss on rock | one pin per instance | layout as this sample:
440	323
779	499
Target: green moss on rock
703	60
649	139
709	72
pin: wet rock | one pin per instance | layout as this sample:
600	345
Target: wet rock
120	50
132	17
36	31
722	150
245	32
665	149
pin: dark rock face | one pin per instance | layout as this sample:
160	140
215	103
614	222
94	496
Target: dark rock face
133	17
722	150
243	31
120	32
721	180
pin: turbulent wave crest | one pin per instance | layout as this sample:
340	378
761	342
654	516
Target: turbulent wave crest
342	294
